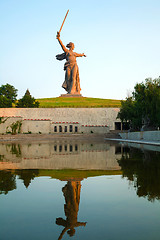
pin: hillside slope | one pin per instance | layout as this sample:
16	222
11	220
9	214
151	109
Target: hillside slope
80	102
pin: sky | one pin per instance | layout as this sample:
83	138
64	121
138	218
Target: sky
121	39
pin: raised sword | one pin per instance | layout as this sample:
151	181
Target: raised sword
63	22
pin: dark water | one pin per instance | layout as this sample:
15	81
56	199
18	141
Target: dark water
76	190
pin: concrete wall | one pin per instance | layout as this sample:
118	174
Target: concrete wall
5	127
145	135
44	120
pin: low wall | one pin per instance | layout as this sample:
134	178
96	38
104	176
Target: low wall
52	120
144	135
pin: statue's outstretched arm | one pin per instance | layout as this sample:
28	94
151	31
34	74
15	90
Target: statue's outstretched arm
60	42
63	232
80	55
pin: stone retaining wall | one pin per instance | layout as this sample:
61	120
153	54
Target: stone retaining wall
53	120
143	135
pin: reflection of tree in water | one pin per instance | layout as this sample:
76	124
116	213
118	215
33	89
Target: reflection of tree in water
71	192
143	169
1	158
27	175
7	182
15	149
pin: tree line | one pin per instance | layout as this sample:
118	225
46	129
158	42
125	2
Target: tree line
142	109
8	98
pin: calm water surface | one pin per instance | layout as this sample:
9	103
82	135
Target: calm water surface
78	190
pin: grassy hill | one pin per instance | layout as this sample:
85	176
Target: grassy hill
81	102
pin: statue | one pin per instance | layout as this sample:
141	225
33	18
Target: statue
72	82
71	192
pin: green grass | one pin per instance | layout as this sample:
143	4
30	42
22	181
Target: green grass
81	102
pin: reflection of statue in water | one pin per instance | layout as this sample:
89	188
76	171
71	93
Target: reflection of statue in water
71	192
72	81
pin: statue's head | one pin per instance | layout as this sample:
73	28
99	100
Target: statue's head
71	232
70	45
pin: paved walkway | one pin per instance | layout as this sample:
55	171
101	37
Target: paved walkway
156	143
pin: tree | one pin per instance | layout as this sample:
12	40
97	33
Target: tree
5	102
130	113
28	93
8	95
27	101
143	108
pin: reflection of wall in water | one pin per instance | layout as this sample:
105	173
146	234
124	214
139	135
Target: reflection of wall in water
61	155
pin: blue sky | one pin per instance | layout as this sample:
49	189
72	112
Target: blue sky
121	39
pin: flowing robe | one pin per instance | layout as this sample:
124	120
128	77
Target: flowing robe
72	81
